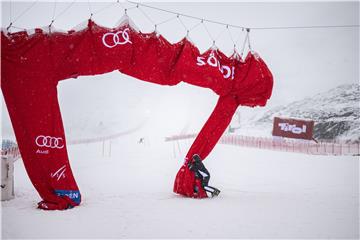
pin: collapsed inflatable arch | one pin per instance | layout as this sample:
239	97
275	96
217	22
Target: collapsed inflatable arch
33	64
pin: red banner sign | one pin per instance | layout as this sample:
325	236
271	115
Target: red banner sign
293	128
32	65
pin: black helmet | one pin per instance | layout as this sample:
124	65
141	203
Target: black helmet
196	158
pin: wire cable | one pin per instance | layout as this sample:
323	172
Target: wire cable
90	10
246	27
305	27
167	20
10	14
182	23
24	12
145	15
67	8
105	7
178	14
54	10
207	30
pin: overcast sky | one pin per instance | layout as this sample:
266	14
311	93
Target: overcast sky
303	61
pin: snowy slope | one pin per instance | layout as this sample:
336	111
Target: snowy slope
336	114
265	194
129	195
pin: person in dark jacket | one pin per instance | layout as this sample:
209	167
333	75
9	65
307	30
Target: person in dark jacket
196	165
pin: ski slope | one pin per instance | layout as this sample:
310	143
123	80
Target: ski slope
129	195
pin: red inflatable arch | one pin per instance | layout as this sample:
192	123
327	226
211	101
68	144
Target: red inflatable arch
33	64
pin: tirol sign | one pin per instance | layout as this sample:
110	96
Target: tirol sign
293	128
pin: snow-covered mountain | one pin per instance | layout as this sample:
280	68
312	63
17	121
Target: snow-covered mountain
336	114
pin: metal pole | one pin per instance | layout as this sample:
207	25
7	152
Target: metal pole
174	151
179	147
110	148
103	148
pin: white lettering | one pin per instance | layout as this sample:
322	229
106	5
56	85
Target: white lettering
292	128
214	62
42	151
227	69
200	61
74	195
60	173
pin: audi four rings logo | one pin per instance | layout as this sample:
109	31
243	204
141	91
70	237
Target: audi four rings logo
49	142
111	40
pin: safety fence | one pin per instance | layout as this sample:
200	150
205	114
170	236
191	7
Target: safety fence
105	138
9	154
284	144
9	150
12	152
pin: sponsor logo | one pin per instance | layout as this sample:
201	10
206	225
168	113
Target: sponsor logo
292	128
72	194
111	40
214	62
42	151
60	173
49	142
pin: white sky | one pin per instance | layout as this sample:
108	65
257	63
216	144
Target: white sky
303	61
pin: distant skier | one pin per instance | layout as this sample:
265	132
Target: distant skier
196	165
141	140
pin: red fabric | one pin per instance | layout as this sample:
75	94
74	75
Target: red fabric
253	81
185	183
91	51
108	56
30	93
203	70
153	59
252	86
205	142
33	65
63	204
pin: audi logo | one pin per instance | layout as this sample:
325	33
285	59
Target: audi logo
49	142
111	40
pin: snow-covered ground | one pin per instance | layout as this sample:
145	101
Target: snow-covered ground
129	195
